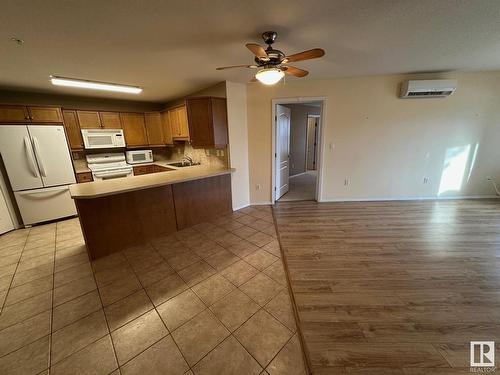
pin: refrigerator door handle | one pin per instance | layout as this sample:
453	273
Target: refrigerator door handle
50	191
30	157
36	145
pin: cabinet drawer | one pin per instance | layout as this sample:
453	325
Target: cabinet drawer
84	177
143	169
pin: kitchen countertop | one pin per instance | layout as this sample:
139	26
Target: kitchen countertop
97	189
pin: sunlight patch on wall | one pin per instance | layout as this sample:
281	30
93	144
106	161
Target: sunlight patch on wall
455	164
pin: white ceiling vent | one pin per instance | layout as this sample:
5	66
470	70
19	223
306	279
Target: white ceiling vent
431	88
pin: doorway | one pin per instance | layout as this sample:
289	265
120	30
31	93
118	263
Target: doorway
296	149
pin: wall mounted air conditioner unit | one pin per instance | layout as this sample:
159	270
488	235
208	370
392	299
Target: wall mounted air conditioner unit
429	88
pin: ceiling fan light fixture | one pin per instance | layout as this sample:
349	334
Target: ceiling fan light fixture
269	76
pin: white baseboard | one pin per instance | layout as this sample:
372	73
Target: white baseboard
240	207
407	198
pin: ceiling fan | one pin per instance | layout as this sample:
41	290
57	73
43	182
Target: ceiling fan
273	63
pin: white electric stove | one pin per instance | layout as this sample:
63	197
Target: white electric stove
108	165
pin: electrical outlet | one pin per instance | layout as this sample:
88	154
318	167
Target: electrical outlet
426	180
257	187
221	152
346	182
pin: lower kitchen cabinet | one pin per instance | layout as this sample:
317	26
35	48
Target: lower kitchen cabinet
84	177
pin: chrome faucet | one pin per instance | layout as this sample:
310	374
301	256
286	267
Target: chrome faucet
189	159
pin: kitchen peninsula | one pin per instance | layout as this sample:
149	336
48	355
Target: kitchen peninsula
118	213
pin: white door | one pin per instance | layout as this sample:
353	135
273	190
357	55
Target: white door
52	154
6	223
282	150
19	158
312	135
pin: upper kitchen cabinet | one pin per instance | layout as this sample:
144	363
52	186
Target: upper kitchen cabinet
207	118
89	119
29	114
154	129
134	129
179	123
72	129
45	114
110	120
167	129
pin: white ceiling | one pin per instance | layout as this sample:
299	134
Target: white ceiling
171	48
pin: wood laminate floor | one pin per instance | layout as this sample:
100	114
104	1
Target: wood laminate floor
393	287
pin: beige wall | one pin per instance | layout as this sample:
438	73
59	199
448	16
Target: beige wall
298	135
386	146
238	142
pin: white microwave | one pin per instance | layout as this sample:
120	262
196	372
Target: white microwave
139	156
103	138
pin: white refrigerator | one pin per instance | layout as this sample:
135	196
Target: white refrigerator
40	170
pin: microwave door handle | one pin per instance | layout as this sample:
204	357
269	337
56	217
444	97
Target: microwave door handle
41	164
29	155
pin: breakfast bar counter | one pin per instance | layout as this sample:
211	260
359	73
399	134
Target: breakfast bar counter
119	213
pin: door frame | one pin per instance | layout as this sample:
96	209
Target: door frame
316	153
298	100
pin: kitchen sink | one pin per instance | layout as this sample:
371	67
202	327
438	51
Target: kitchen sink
182	164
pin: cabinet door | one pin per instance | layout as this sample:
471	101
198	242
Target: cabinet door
110	120
14	113
72	129
45	114
200	122
134	129
174	122
167	129
154	129
89	119
183	122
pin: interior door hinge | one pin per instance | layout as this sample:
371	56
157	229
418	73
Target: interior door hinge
275	188
275	155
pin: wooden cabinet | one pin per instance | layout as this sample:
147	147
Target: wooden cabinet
72	129
30	114
84	177
143	169
207	118
134	129
167	129
154	129
110	120
89	119
45	114
179	123
14	113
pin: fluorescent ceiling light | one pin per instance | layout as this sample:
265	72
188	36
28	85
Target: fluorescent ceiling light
269	76
81	83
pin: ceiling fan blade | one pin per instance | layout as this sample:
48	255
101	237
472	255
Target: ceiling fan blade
236	66
257	50
295	71
305	55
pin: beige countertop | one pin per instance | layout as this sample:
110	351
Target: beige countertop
96	189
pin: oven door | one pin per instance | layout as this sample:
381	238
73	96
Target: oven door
109	175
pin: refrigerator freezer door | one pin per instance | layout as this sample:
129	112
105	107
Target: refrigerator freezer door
52	154
19	158
6	223
45	204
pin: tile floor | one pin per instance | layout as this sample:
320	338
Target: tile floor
211	299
